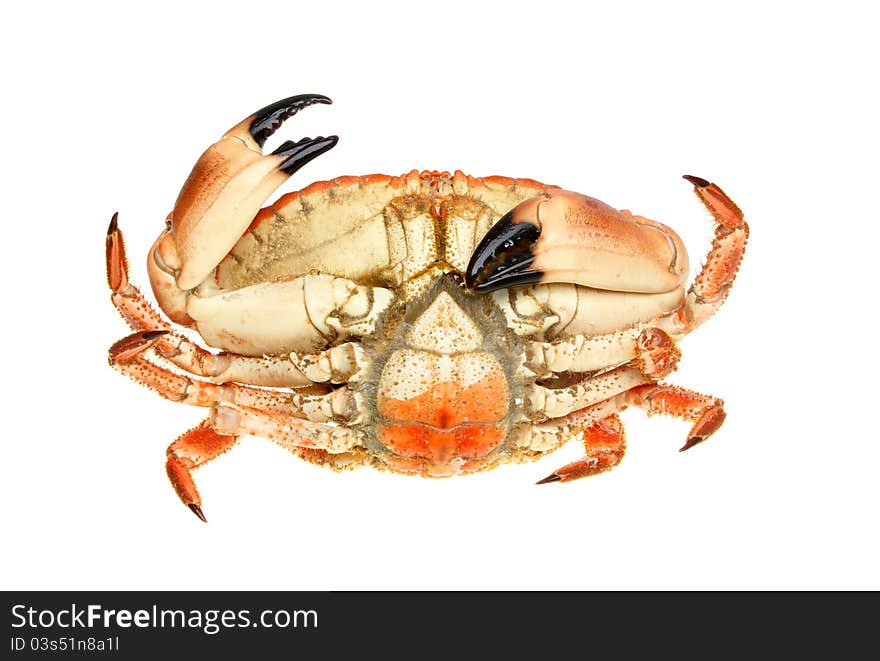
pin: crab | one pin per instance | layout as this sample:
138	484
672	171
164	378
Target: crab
432	324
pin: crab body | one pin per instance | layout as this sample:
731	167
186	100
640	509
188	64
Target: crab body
430	323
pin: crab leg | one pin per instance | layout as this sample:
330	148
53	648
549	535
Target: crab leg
546	402
603	432
712	284
548	435
705	411
338	364
287	431
204	442
193	448
221	430
604	445
128	356
651	349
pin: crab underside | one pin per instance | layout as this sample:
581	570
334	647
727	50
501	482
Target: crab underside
432	323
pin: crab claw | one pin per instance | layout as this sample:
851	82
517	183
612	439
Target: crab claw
229	184
567	237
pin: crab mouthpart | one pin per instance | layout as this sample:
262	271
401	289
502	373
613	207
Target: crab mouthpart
504	257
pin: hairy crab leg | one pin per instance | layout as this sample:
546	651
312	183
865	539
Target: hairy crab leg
340	364
231	403
706	412
604	445
192	449
287	431
550	434
651	349
127	355
544	402
712	285
337	365
126	298
203	443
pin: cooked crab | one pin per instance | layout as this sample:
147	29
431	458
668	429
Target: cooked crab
430	324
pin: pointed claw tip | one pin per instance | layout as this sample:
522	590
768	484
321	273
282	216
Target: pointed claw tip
691	442
266	120
553	477
198	511
318	98
504	257
699	182
153	334
297	154
113	223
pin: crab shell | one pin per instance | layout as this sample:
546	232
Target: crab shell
470	321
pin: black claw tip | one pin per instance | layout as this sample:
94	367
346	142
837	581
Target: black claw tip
297	154
198	511
699	182
153	334
553	477
503	257
691	442
267	120
113	222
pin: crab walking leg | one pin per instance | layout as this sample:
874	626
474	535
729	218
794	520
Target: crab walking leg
651	349
546	402
203	443
712	284
141	316
706	412
604	445
338	364
126	298
192	449
546	436
603	431
127	355
287	431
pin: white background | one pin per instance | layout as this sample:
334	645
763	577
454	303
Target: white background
107	107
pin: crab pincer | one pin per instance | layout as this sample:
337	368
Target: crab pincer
563	236
229	184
